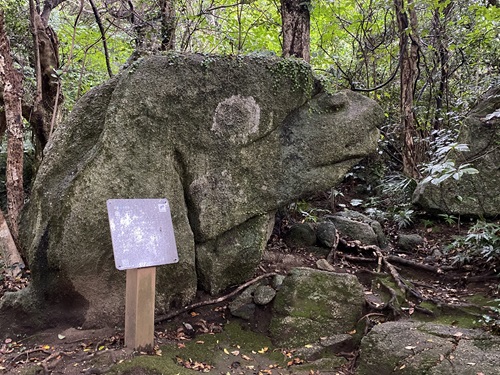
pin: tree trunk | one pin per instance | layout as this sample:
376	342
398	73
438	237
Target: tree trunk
296	26
11	80
409	49
440	44
47	105
168	24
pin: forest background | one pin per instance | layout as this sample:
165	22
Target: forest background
425	62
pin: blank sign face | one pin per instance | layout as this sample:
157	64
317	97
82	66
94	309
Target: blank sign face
141	232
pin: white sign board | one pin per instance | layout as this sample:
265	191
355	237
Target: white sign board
141	232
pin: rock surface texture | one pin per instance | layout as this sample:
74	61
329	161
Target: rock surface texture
478	194
226	140
312	304
413	348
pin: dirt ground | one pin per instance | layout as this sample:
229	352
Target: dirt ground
208	339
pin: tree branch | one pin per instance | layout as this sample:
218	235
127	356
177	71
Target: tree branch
103	36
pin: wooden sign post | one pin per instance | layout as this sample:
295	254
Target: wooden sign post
140	308
143	238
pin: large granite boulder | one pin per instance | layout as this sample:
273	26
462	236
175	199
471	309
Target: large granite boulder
412	348
226	140
478	194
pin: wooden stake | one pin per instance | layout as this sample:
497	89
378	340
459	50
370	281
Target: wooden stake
140	308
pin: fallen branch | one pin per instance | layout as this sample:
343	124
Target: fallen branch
213	301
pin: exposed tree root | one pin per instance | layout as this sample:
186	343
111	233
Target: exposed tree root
411	263
173	314
332	255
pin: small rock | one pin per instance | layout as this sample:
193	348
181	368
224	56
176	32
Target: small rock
323	264
410	242
300	235
263	295
326	234
243	306
341	342
277	281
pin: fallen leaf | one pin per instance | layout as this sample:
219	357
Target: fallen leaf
61	337
194	313
200	342
226	351
409	347
263	350
308	346
245	357
235	352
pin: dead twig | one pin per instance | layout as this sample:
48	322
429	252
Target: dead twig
213	301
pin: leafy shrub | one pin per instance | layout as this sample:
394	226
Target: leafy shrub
480	245
443	168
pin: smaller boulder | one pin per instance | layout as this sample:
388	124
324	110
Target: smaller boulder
300	235
359	227
312	304
472	194
326	234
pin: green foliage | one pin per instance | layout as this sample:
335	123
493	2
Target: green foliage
441	169
449	219
480	245
306	211
82	57
228	28
404	217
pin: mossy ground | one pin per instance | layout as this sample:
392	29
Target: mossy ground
233	351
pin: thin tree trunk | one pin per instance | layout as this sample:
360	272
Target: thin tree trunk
409	49
103	36
296	25
168	24
47	105
440	42
11	80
